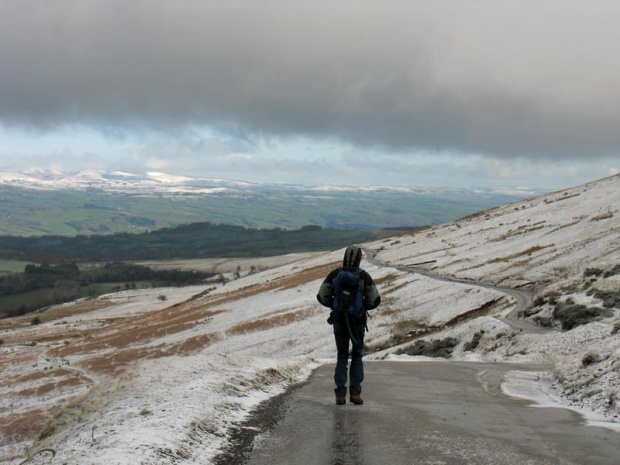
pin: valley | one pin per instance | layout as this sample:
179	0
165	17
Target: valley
128	376
90	202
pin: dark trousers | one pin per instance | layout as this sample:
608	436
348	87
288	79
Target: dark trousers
356	371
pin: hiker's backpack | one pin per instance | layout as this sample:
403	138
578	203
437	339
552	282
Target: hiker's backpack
349	293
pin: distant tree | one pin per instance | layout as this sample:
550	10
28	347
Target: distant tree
66	290
35	321
93	292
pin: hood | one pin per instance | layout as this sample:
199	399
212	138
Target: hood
352	257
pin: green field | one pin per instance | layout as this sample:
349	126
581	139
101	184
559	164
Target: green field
12	266
71	212
196	240
45	297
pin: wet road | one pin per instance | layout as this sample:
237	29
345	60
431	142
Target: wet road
428	413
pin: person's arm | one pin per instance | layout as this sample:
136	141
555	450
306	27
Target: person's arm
372	299
326	291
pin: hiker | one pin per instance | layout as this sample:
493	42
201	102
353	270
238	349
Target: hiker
350	292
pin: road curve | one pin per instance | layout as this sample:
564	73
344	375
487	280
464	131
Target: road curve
524	298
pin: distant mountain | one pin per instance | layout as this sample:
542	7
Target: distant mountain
38	202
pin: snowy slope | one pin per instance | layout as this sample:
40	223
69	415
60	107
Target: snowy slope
546	244
128	378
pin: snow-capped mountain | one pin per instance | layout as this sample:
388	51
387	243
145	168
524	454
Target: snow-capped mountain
162	183
120	181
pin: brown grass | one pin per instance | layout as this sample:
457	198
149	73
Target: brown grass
79	308
264	324
137	330
115	363
483	310
396	288
23	425
603	216
529	251
193	344
36	376
385	279
519	231
387	311
405	326
44	389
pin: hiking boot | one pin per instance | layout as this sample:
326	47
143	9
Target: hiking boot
341	400
356	399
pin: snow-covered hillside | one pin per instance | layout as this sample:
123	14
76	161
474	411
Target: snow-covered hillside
131	378
564	246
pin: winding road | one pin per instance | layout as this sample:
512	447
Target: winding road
524	298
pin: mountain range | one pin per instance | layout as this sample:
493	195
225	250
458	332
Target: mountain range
38	202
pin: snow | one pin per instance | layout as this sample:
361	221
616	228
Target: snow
154	182
536	387
151	381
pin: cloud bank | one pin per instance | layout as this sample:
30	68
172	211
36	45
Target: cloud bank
500	78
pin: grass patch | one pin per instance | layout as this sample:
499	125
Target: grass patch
572	315
475	341
529	251
604	216
263	324
435	348
396	288
12	266
589	358
385	279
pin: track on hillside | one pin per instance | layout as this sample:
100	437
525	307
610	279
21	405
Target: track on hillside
524	298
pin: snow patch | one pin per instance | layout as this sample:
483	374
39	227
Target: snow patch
535	387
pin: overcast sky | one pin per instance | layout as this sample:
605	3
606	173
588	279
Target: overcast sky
441	93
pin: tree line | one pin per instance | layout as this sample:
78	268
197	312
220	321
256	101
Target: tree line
64	281
195	240
45	276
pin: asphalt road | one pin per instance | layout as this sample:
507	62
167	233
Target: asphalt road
430	413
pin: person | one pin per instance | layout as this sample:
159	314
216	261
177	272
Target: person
348	329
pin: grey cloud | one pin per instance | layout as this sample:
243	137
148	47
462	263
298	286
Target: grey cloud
522	78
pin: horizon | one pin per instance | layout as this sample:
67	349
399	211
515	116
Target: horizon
148	174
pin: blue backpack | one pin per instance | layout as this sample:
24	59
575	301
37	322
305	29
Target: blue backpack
349	293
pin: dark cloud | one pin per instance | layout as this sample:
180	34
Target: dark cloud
526	78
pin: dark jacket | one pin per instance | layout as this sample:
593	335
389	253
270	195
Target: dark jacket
351	261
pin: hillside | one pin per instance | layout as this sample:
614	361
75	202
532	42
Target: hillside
39	202
130	377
